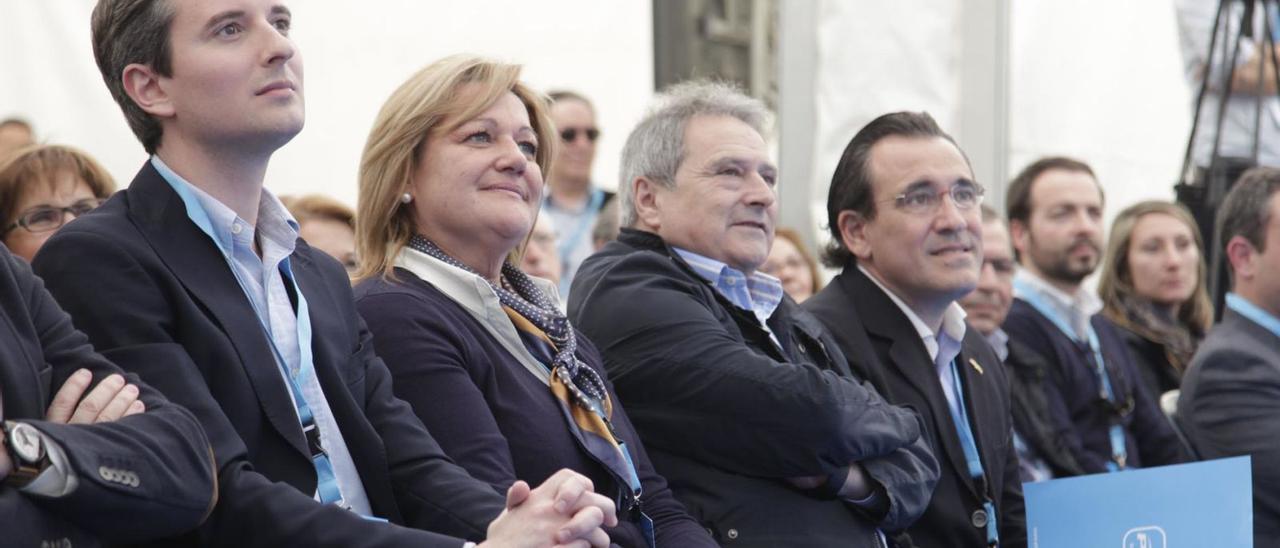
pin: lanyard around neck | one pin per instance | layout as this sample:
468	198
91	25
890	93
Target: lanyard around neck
1035	297
974	461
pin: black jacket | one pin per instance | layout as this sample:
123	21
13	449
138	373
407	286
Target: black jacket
877	336
1230	406
727	415
1151	360
1032	418
1074	401
164	448
149	287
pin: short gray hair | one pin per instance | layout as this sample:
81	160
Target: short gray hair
655	148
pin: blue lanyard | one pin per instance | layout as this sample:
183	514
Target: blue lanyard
326	479
584	225
960	416
1032	296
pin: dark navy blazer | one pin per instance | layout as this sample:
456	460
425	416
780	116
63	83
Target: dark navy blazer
150	288
164	447
489	413
1074	399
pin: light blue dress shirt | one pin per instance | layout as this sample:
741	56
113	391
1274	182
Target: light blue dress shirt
1253	313
264	286
760	293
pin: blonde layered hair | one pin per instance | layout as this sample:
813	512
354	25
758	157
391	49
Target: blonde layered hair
1117	277
435	100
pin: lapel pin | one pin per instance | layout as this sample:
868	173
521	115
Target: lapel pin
977	367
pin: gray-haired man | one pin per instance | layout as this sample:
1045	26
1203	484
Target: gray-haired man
744	401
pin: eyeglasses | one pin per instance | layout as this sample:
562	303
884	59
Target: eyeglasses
924	199
46	218
571	134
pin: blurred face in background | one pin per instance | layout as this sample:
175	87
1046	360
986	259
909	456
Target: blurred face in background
43	209
335	238
788	265
540	257
1163	259
1063	242
576	124
988	305
15	136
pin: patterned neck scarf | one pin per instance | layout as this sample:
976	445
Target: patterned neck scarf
533	305
1141	316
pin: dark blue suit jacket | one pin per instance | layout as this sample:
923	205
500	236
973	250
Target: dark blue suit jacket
1073	392
151	289
884	347
164	447
1228	407
498	420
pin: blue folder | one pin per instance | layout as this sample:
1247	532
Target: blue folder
1202	504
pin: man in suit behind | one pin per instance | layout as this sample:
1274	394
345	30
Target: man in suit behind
1231	391
903	212
88	457
196	278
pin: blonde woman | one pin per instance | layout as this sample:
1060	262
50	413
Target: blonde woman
1153	288
450	185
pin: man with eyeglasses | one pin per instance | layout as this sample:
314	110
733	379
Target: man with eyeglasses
572	202
905	227
1042	453
1110	422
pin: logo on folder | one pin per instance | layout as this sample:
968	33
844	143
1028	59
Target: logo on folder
1150	536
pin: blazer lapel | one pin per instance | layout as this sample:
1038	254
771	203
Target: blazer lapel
198	263
910	359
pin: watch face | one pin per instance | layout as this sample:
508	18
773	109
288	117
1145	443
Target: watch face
26	442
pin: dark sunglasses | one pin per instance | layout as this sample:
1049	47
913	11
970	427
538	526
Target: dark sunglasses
571	134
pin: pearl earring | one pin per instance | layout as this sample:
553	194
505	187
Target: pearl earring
406	198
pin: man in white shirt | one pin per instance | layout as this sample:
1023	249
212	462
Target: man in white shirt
904	215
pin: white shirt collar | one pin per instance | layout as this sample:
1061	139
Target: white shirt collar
1079	307
953	326
479	299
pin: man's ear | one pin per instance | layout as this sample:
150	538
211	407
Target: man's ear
645	192
1241	254
1020	237
144	87
853	234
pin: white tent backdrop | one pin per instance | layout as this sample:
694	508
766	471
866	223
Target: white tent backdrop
355	54
1097	79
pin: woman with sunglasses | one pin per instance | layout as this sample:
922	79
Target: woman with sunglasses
43	187
450	186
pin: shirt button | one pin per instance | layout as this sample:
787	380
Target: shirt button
236	228
731	281
979	518
732	534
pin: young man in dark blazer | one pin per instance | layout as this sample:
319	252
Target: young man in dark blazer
196	279
903	212
88	457
1229	404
